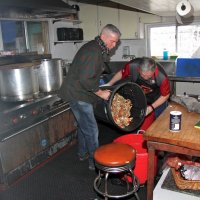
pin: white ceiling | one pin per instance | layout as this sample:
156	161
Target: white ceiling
159	7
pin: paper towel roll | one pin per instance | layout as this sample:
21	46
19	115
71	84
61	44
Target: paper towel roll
184	9
179	18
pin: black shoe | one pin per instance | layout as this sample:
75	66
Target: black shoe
83	158
91	165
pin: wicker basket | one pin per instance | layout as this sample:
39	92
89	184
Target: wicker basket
184	184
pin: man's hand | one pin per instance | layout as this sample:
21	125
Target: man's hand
149	110
104	94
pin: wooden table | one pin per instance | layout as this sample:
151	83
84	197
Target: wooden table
159	137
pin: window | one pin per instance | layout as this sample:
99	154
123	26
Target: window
183	41
24	36
188	40
13	35
162	38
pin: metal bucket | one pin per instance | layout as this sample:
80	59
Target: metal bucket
130	91
19	83
50	75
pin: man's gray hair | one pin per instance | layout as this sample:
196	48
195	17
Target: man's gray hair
147	64
110	28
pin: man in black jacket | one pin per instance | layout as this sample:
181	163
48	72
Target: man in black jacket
82	88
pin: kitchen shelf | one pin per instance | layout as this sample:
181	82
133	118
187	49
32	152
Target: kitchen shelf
67	20
167	61
184	79
70	41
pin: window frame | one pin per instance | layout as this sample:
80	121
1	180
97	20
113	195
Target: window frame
25	22
166	21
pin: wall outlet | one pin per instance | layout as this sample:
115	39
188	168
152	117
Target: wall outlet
126	50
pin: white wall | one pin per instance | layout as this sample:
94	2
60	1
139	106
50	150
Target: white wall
137	48
65	50
188	88
68	50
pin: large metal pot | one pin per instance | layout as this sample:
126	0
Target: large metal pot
50	75
19	82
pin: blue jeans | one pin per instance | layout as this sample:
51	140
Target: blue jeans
88	132
160	109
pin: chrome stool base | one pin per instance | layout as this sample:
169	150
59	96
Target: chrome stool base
104	172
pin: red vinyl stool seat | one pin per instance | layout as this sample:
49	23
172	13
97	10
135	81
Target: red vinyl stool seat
115	158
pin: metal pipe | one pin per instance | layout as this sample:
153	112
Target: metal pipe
26	36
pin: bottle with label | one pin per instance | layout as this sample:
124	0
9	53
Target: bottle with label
165	54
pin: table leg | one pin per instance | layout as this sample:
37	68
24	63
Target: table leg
150	179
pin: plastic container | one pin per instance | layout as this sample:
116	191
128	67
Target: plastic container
148	120
188	67
141	165
165	54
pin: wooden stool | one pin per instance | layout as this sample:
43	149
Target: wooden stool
115	158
